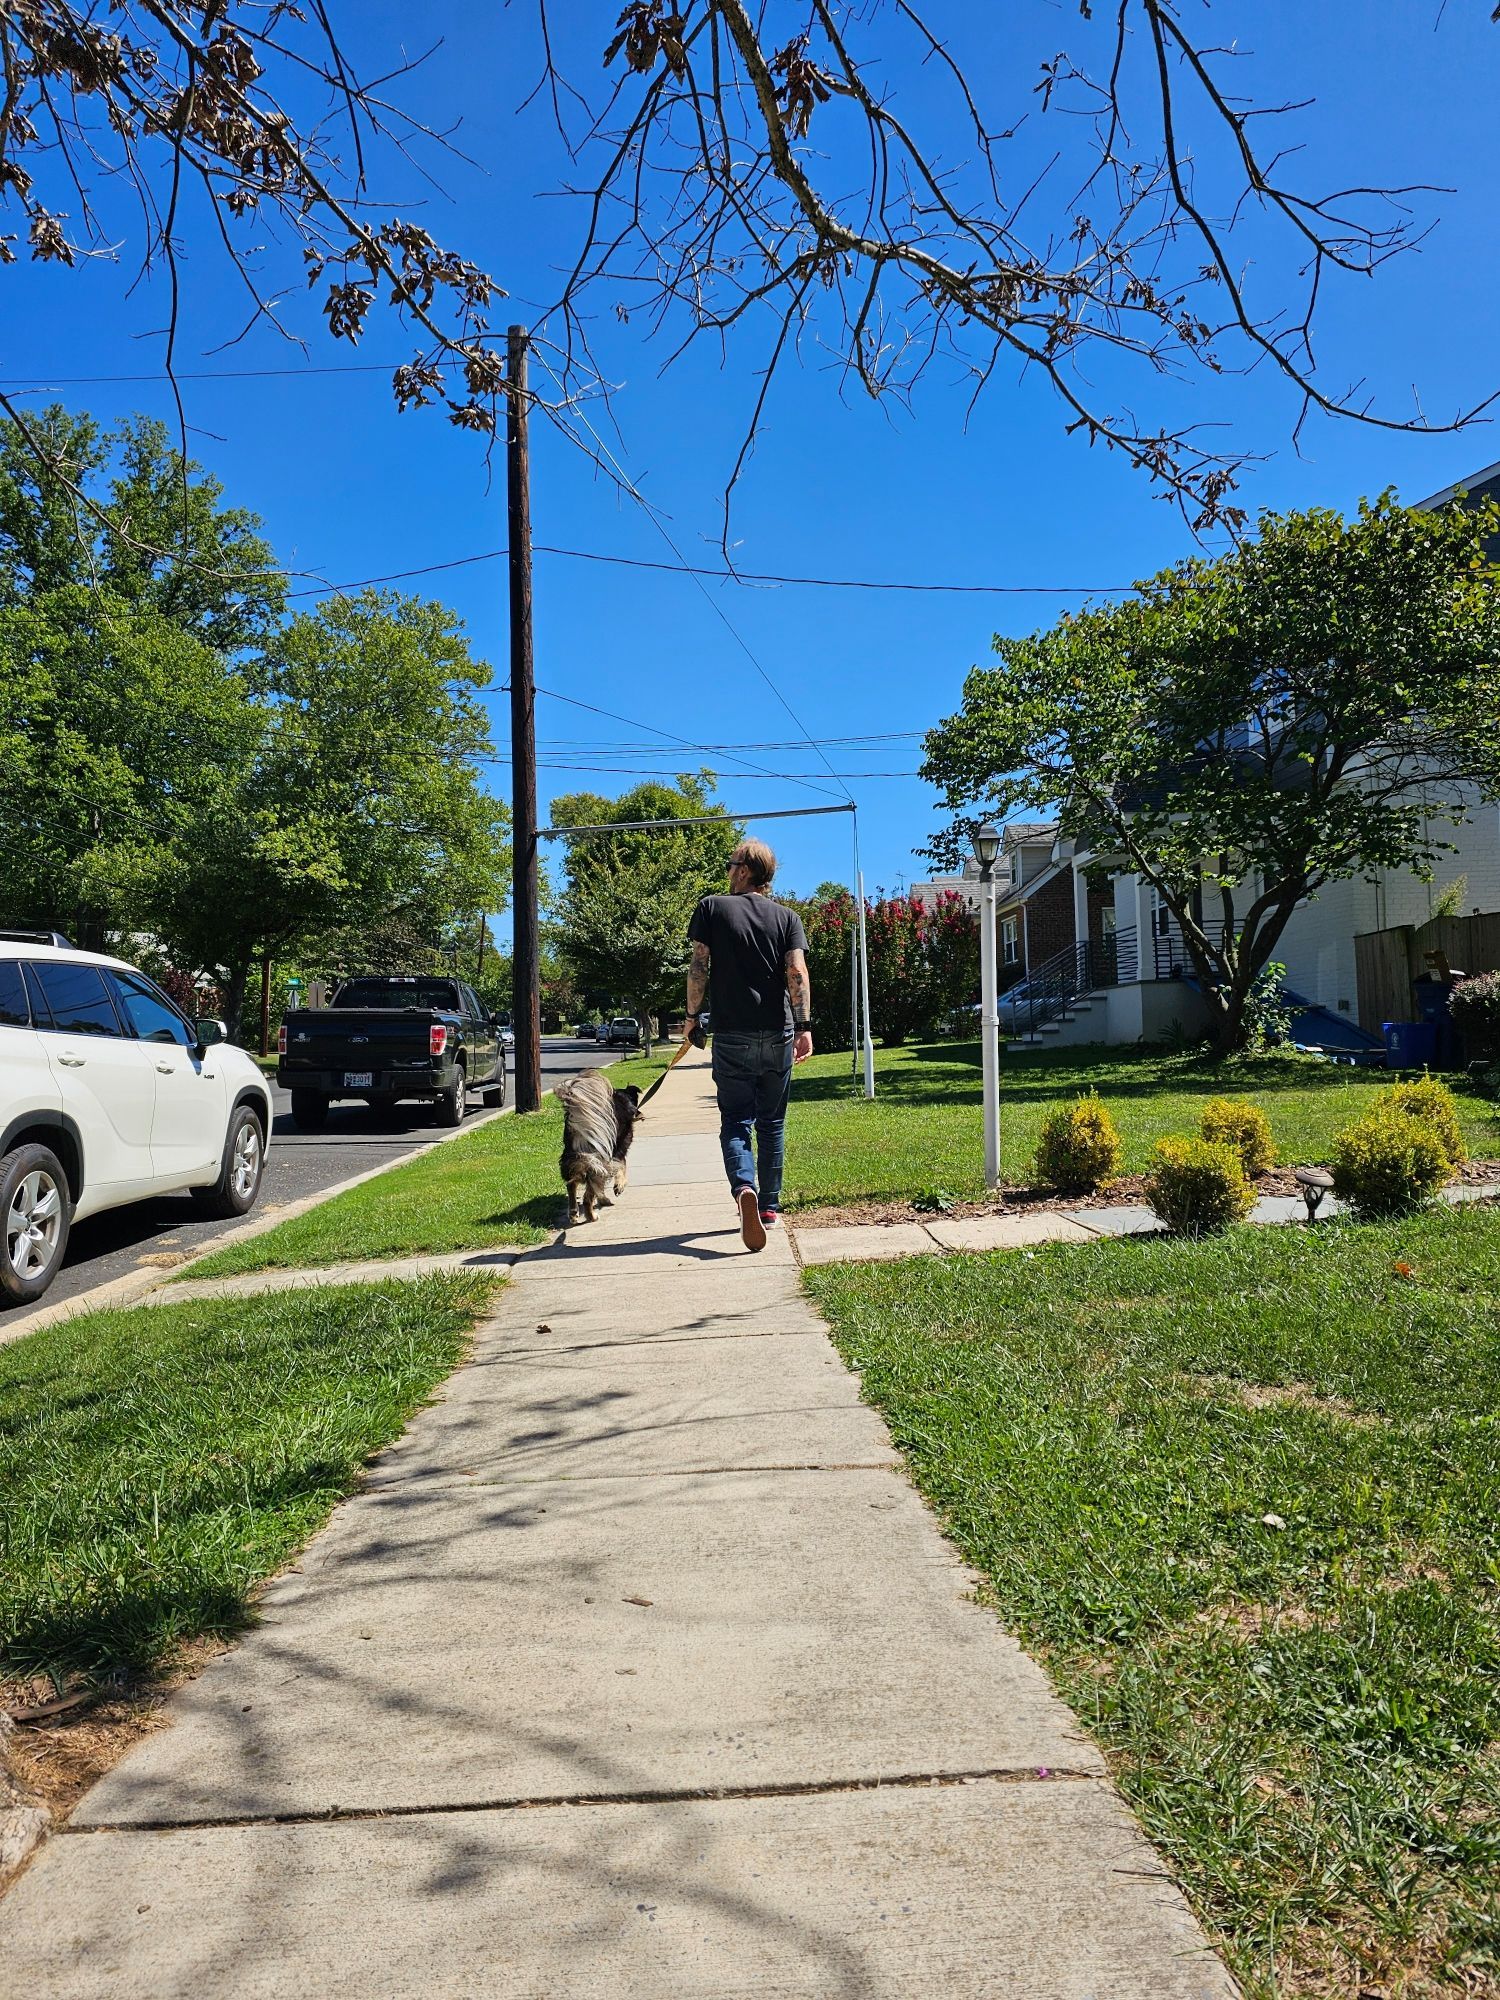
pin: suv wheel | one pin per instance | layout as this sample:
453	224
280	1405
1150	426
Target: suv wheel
450	1105
309	1110
36	1216
234	1192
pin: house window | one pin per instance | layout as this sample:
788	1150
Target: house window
1010	941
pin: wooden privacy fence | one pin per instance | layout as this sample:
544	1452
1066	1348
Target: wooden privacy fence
1386	962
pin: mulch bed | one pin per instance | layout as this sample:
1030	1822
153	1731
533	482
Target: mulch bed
1027	1200
57	1757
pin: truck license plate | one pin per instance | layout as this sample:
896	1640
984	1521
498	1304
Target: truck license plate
358	1079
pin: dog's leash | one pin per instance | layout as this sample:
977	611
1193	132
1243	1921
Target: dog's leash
651	1089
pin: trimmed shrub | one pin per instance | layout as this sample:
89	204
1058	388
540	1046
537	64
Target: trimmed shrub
1235	1121
1198	1185
1080	1148
1430	1100
1474	1007
1389	1164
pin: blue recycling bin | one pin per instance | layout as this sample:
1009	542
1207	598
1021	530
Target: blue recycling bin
1410	1044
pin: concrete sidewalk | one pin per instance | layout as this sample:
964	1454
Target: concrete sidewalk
639	1672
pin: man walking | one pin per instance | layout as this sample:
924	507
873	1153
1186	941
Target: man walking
756	952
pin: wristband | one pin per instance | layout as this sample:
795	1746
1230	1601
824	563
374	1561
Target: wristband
802	1027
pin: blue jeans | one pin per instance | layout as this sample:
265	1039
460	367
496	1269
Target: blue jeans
753	1075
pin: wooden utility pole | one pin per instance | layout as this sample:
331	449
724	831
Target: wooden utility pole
526	1004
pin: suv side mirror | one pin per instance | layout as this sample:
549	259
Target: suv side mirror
211	1031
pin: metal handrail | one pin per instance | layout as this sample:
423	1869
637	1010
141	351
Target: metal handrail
1053	986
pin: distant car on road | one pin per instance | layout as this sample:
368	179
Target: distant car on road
387	1039
601	1031
624	1031
110	1095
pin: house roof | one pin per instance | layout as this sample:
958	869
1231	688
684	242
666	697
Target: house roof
1028	833
1478	486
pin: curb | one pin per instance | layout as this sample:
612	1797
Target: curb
133	1286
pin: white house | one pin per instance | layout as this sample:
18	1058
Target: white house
1106	959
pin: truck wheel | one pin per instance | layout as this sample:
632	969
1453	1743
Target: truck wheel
35	1215
494	1093
235	1191
309	1110
450	1106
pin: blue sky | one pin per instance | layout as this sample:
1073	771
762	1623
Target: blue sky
836	486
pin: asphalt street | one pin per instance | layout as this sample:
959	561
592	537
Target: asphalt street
298	1164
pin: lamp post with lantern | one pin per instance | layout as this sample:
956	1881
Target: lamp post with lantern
988	841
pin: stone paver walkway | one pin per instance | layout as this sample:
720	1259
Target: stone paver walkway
875	1240
640	1672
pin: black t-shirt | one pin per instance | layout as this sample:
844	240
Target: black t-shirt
748	938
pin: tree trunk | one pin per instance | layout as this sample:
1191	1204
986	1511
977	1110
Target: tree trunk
234	996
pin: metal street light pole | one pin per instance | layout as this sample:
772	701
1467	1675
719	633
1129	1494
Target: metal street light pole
987	844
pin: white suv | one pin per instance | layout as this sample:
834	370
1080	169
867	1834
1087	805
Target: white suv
108	1094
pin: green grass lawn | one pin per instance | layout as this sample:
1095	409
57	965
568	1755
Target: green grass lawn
496	1185
923	1129
1243	1498
158	1463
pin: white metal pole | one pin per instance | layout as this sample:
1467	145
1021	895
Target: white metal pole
854	999
989	1028
864	979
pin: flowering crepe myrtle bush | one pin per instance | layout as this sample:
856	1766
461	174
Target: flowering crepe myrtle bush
924	962
1474	1006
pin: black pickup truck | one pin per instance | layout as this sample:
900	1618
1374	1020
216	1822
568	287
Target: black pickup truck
386	1040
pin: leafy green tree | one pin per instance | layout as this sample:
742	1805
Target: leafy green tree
124	710
361	804
1252	728
155	537
119	736
629	896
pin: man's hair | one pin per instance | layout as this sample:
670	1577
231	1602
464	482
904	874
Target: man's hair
758	858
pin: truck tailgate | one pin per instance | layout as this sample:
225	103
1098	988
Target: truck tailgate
355	1039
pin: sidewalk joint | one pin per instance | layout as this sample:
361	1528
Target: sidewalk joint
663	1796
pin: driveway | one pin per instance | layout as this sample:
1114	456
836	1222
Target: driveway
299	1163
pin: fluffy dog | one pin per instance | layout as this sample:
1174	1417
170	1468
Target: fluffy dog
598	1125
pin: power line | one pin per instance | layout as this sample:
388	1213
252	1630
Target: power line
725	577
26	385
718	609
31	385
781	777
650	729
578	746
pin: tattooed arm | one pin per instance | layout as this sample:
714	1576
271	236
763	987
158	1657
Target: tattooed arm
697	979
799	990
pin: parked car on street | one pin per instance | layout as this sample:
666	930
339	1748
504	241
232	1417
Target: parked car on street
601	1031
388	1040
624	1031
110	1094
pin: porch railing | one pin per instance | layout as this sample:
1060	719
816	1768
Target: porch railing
1170	956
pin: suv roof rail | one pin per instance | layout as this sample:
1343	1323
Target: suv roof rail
55	938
